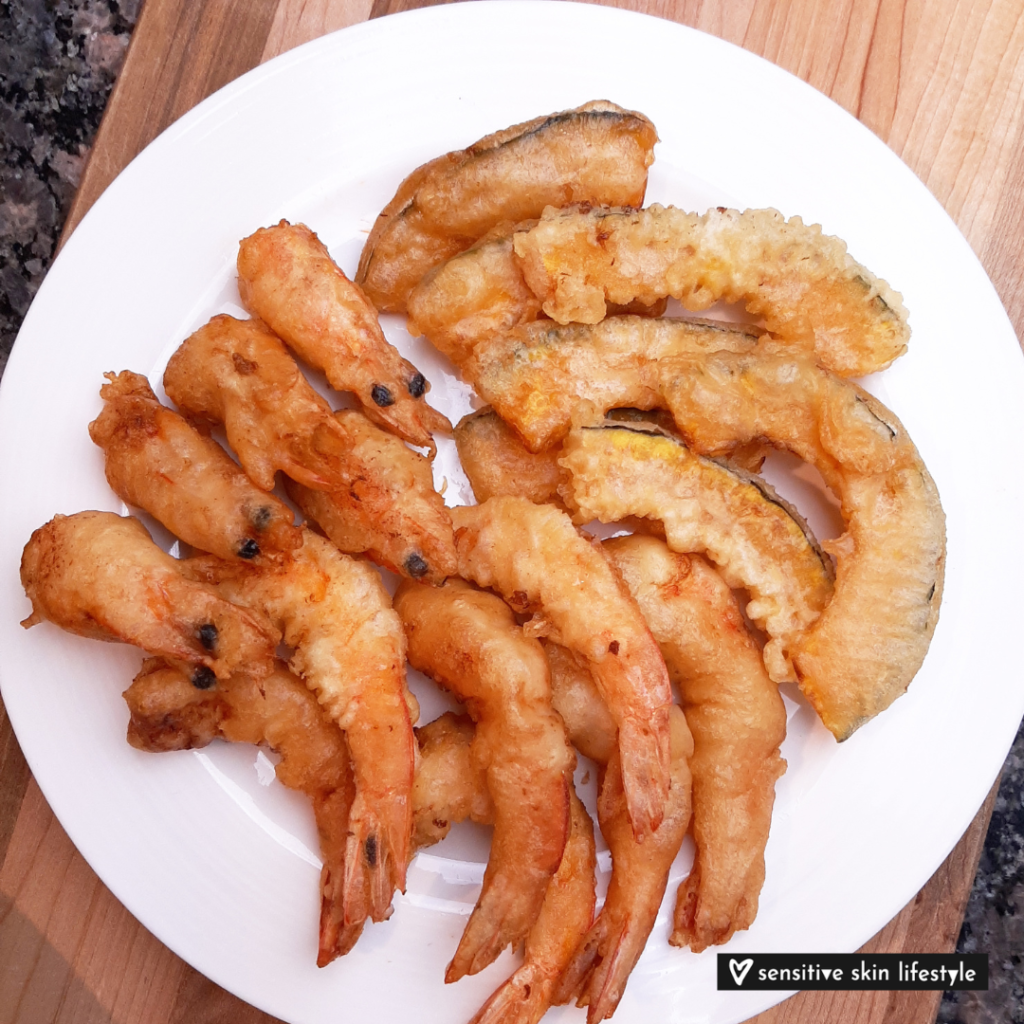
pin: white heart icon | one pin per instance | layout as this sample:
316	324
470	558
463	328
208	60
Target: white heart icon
739	970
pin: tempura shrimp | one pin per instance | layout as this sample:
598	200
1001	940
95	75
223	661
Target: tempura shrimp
600	967
157	461
468	642
803	283
349	649
238	373
738	722
451	786
389	509
287	278
100	575
168	713
535	558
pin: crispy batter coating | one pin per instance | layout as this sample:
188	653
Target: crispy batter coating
168	713
602	963
349	649
238	373
468	641
388	508
496	462
542	378
871	639
450	783
565	917
534	557
451	786
100	575
473	295
738	722
157	461
287	278
758	540
803	283
596	153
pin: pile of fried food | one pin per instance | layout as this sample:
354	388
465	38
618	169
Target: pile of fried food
529	261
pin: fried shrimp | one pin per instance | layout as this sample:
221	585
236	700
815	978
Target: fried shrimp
738	722
451	786
100	575
565	917
803	283
238	373
534	557
468	642
542	378
596	153
168	713
287	278
157	461
389	509
349	649
602	963
450	783
758	541
869	642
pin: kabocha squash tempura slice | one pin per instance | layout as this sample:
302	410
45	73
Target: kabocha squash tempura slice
804	284
596	153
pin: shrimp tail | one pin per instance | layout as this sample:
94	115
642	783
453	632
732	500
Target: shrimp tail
486	935
523	999
336	936
599	971
367	886
645	752
685	916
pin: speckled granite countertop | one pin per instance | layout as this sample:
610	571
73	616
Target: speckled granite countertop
58	62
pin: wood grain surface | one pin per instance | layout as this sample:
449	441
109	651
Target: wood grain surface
940	82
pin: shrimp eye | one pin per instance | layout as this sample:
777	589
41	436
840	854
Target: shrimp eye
417	385
370	846
382	396
415	565
260	517
248	549
203	678
207	634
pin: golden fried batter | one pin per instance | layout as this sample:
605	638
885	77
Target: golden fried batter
803	283
168	713
596	153
237	372
871	639
758	540
476	294
388	509
534	557
157	461
349	648
468	641
100	575
287	278
542	378
738	722
497	463
602	963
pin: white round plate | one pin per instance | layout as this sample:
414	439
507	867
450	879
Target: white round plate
219	861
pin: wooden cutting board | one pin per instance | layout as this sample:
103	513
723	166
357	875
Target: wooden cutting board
940	82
